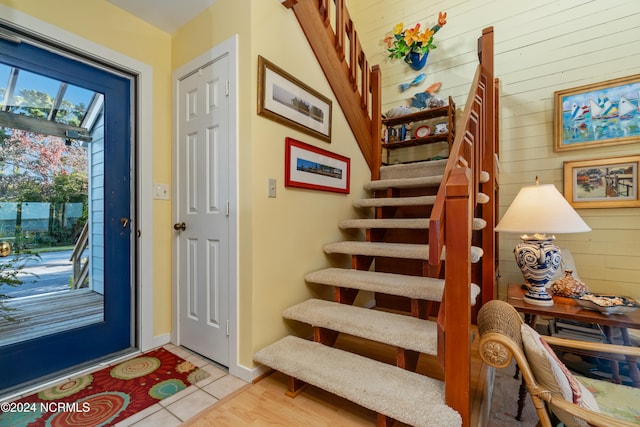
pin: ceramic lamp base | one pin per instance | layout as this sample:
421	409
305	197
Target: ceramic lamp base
537	295
538	258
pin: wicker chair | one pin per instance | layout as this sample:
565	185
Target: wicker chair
503	336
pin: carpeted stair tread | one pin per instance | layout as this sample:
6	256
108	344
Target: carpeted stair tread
413	170
383	184
415	287
390	250
413	223
405	223
395	201
479	224
389	328
400	394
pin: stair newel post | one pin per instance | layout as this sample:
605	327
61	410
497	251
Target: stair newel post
457	292
375	91
490	142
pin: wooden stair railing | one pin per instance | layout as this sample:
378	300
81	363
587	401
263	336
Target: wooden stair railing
355	84
473	151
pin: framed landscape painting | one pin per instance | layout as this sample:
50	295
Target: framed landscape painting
285	99
311	167
597	115
602	183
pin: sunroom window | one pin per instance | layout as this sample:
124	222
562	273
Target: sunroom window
43	105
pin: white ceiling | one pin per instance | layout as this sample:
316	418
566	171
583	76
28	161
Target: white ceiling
168	15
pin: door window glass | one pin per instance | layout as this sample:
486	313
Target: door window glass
44	206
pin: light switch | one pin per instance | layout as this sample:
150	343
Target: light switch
161	191
272	187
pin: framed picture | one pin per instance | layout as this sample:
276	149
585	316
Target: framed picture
597	115
285	99
602	183
307	166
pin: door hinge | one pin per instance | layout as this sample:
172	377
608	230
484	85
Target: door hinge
227	210
227	327
226	88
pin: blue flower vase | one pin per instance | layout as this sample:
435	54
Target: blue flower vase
416	60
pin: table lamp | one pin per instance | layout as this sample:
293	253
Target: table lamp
537	210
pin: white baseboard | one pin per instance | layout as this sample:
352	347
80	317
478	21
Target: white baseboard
248	374
159	341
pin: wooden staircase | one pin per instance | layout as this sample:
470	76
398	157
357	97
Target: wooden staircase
429	238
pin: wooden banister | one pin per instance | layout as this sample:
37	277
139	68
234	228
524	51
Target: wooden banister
354	84
472	155
463	139
457	376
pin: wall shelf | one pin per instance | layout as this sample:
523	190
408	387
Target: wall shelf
391	125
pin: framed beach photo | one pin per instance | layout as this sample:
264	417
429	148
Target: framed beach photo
311	167
285	99
597	115
602	183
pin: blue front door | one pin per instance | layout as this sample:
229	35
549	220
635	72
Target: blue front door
107	211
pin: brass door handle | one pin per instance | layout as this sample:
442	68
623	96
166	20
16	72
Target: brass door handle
179	226
124	221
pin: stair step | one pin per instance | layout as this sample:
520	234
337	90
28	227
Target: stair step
413	170
390	250
389	328
411	223
415	287
400	394
383	184
395	201
483	198
405	223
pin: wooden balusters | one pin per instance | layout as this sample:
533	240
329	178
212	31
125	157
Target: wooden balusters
351	80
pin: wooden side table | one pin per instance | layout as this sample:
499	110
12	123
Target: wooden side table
575	312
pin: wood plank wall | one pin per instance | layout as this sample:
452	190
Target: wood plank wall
542	46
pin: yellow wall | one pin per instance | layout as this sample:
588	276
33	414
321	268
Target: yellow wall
281	239
541	46
107	25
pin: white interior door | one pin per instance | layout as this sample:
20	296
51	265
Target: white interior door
202	198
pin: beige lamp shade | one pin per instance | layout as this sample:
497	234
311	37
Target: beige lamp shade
541	209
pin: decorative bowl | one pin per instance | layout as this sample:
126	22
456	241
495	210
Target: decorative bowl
608	304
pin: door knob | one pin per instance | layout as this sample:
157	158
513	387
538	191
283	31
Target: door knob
180	226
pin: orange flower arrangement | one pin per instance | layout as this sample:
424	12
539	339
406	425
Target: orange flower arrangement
403	41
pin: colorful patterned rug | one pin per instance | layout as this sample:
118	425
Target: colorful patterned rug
105	397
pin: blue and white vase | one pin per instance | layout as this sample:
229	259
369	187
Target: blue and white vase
539	259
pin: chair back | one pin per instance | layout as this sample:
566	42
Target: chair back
501	340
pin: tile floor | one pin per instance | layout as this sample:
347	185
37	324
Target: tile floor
176	409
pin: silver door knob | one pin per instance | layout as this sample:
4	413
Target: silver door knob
179	226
